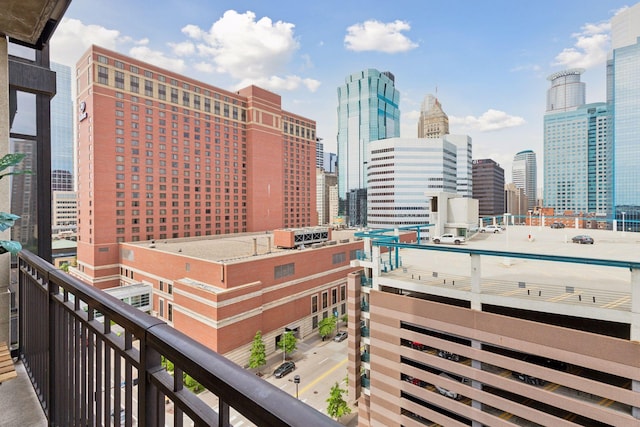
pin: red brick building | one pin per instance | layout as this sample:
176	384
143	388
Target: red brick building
162	156
220	290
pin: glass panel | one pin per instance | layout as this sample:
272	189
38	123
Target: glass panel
22	51
24	196
24	121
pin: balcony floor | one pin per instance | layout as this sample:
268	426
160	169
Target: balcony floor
19	405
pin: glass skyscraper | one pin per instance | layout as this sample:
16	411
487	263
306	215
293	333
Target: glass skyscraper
578	160
62	131
524	174
367	111
624	75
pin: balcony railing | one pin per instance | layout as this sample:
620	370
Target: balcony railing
91	357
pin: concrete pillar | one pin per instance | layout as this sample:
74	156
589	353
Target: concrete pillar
635	325
476	277
5	297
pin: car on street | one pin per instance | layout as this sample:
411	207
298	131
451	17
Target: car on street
557	225
448	238
583	239
340	336
491	229
284	369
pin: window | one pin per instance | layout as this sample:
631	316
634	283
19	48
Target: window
170	312
314	322
324	299
334	296
343	293
339	258
103	75
314	304
285	270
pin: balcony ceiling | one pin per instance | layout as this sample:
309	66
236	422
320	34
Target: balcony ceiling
31	22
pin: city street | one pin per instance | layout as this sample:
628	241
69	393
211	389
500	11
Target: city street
319	364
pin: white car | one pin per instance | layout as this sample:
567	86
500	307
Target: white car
491	229
448	238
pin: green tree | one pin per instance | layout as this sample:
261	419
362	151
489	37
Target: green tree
337	406
288	343
258	357
65	267
326	326
345	319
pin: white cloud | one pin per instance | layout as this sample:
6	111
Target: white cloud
204	67
183	48
72	38
489	121
526	67
155	57
245	48
373	35
277	84
590	49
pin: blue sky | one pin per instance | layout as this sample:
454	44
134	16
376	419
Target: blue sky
488	60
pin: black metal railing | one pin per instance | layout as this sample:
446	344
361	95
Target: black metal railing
94	360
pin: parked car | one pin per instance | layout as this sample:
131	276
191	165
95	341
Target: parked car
557	225
284	369
445	392
448	355
582	239
491	229
340	336
448	238
528	379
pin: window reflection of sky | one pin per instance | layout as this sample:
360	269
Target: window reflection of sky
24	122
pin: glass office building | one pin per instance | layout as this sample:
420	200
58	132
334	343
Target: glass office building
367	111
62	131
578	160
524	175
625	98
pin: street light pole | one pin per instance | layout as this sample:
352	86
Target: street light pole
284	347
296	380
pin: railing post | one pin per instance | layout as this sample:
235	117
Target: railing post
50	395
148	405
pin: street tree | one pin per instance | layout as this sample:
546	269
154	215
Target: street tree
288	343
258	357
337	406
326	326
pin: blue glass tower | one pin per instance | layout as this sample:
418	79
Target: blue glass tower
624	75
578	160
367	111
62	131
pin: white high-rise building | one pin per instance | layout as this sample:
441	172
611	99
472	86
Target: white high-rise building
524	175
400	171
464	164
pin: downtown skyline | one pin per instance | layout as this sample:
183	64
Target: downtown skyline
487	63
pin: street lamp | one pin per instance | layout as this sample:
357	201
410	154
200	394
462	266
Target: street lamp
296	380
284	347
507	260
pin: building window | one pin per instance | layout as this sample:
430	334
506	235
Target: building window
314	304
339	258
343	293
170	312
103	75
325	298
334	296
314	322
160	307
285	270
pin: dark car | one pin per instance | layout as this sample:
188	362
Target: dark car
582	239
340	336
528	379
284	369
448	355
557	225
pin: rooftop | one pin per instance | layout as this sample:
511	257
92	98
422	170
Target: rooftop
231	247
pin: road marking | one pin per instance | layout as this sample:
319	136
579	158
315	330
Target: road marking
563	296
617	302
323	360
283	386
321	377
